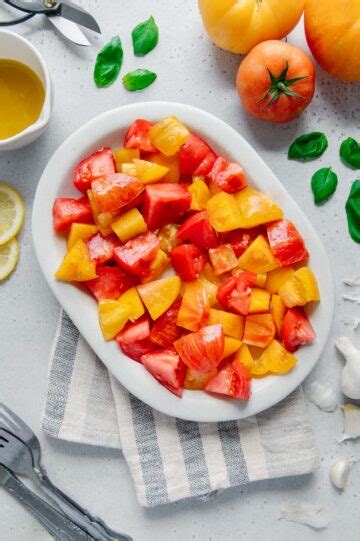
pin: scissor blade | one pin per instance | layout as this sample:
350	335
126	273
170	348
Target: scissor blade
70	30
78	15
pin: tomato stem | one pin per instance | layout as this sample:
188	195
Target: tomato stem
280	85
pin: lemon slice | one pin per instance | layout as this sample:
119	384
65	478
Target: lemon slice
9	255
11	213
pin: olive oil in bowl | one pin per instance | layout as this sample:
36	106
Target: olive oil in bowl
22	97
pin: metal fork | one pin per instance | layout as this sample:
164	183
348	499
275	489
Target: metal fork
26	460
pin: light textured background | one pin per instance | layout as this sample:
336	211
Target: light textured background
190	70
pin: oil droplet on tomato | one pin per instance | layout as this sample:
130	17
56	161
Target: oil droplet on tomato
21	97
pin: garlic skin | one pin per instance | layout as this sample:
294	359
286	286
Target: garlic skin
351	321
323	396
351	422
352	282
352	298
339	472
305	513
350	377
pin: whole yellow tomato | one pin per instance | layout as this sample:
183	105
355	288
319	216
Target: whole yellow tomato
332	30
238	25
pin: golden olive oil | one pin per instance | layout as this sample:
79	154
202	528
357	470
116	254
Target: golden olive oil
21	97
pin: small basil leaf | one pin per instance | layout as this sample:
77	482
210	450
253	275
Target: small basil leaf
108	63
138	79
353	211
350	152
308	146
145	37
323	184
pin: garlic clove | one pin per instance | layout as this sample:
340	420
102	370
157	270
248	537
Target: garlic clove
323	396
352	282
350	376
351	422
305	513
339	472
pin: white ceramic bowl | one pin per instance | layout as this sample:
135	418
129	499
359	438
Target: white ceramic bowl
109	129
15	47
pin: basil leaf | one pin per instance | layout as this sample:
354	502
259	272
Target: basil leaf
308	146
350	152
145	37
138	79
108	63
323	184
352	208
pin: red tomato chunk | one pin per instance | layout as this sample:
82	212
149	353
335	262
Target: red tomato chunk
137	254
234	294
66	211
230	177
296	330
137	136
223	259
101	250
198	230
167	367
188	261
135	341
110	283
202	350
165	331
98	164
286	243
196	157
231	380
165	203
113	192
240	239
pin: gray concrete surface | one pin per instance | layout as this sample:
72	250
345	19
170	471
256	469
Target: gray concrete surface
191	70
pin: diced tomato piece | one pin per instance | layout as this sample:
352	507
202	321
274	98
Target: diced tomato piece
286	243
196	381
113	192
137	136
259	330
101	250
194	309
235	293
66	211
165	331
231	380
98	164
110	283
198	230
167	367
240	239
296	330
165	203
188	261
137	254
230	177
202	350
223	259
135	341
196	157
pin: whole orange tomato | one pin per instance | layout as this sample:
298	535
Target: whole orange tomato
276	81
332	30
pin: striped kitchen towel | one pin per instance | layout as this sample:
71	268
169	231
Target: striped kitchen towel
169	459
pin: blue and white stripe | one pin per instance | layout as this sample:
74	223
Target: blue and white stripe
169	459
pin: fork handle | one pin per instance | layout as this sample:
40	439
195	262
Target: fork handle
95	526
58	525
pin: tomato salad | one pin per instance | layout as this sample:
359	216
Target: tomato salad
232	309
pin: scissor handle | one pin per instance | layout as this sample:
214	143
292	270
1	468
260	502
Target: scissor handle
47	7
18	21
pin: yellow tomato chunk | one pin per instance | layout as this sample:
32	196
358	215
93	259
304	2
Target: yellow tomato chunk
102	219
194	308
276	278
80	231
157	266
129	168
171	163
125	155
232	324
256	208
113	316
132	300
278	310
129	225
169	135
244	356
276	359
308	280
259	330
210	289
293	292
261	279
148	172
200	194
167	237
196	381
231	345
159	295
258	257
77	266
224	213
259	301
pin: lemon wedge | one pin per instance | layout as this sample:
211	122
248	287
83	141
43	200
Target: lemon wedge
9	255
11	214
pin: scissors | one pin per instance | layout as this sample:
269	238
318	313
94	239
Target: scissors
64	14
